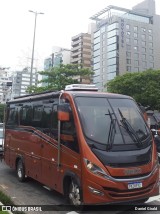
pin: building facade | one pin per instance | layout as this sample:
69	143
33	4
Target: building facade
125	41
5	85
81	50
59	56
21	81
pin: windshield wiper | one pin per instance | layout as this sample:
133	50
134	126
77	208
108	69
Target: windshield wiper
112	131
129	129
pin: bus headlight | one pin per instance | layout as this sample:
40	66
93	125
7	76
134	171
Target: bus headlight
95	169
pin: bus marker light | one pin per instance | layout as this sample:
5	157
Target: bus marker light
95	191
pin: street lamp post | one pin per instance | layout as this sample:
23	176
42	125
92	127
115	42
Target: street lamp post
32	59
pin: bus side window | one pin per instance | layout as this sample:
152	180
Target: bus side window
13	116
26	116
68	129
37	116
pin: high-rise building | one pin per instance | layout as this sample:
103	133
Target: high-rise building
125	41
5	85
21	81
81	50
59	56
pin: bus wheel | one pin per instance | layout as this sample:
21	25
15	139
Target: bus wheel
74	193
20	171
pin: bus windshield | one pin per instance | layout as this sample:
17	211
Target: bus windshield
111	121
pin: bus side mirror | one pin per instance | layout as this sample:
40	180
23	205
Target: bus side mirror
64	112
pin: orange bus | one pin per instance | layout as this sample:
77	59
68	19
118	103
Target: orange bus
93	147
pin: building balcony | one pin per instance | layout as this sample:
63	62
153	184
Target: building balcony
76	48
73	54
73	60
76	42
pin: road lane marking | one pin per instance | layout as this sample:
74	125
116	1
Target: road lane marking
3	186
155	198
47	188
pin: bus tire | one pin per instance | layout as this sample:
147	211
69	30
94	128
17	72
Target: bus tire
74	194
20	171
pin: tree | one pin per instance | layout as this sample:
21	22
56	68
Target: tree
144	87
2	107
58	77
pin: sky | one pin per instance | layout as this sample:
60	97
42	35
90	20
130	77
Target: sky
62	20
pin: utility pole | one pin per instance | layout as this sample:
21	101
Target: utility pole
34	35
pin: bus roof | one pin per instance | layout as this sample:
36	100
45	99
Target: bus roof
52	94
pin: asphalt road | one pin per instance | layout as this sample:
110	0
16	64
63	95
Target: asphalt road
33	193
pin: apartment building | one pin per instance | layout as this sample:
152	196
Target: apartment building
125	41
5	85
21	81
81	50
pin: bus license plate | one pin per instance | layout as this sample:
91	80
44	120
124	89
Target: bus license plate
135	185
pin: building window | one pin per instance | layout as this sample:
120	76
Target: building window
111	68
143	49
150	45
111	40
96	59
128	47
128	61
143	56
112	47
128	68
144	64
128	40
97	34
111	61
143	36
127	27
150	51
143	30
136	48
143	43
135	29
136	69
97	40
151	65
128	54
111	54
150	31
128	33
97	46
135	35
111	76
112	26
136	55
135	42
151	58
112	33
136	63
150	38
